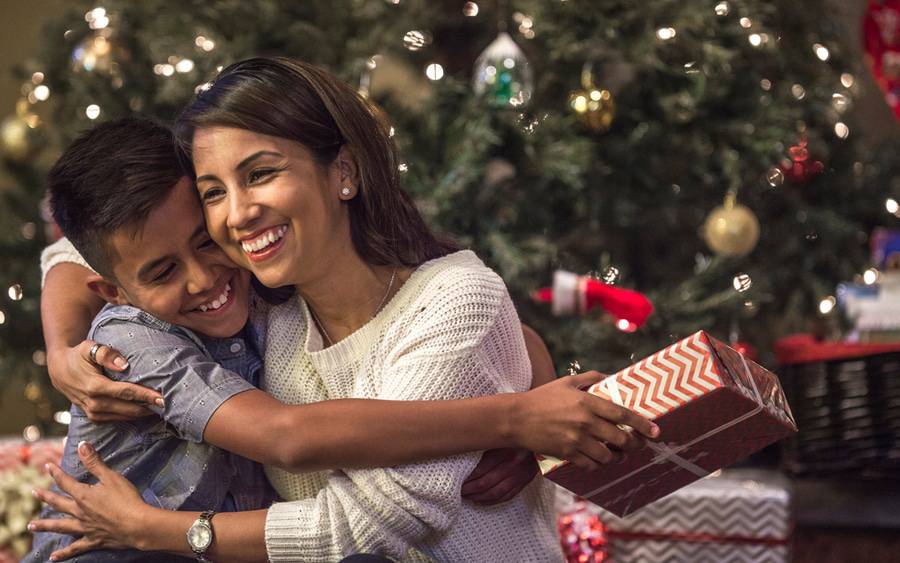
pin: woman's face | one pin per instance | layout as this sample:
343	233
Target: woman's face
270	205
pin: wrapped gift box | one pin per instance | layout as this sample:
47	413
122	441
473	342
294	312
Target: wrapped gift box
713	407
740	515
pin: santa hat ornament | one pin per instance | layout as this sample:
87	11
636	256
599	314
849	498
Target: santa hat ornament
574	294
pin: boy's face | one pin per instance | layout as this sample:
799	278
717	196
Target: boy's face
173	270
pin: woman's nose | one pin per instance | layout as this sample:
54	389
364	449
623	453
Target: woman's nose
242	211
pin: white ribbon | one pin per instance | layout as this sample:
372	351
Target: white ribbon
666	452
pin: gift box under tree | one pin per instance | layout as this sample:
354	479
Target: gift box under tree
713	407
739	515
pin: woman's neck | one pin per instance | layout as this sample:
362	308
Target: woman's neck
348	294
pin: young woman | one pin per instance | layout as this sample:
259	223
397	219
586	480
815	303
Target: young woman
299	185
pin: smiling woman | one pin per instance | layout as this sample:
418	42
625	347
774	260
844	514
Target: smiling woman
303	190
304	193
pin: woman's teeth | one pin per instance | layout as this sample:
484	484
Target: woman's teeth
263	240
218	301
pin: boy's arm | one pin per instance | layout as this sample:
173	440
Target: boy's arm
67	308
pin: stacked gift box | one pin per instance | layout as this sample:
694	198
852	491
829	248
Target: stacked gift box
21	470
734	515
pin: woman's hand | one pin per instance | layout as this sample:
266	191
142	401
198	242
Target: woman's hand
105	515
562	420
499	476
82	381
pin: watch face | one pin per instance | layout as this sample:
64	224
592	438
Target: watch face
199	536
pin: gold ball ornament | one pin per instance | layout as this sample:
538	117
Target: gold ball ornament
731	229
595	107
21	135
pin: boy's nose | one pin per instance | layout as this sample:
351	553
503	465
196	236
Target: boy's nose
201	277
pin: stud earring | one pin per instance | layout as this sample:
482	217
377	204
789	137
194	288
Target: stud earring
345	191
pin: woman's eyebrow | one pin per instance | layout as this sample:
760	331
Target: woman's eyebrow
259	154
242	164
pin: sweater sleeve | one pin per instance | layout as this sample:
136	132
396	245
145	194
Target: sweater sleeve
57	253
463	341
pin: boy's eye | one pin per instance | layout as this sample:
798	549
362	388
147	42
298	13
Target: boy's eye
164	275
212	194
207	244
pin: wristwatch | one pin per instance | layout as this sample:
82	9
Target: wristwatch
200	535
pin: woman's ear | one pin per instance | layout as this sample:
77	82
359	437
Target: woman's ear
348	171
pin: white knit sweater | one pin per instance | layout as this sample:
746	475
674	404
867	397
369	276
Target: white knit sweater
450	332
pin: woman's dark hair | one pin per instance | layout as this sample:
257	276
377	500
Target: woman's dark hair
290	99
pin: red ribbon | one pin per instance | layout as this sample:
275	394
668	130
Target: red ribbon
687	537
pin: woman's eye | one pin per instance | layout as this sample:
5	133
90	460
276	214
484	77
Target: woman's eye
212	194
259	174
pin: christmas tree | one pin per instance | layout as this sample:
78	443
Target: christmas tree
700	152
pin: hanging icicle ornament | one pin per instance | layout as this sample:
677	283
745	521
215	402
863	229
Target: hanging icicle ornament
731	229
502	74
595	107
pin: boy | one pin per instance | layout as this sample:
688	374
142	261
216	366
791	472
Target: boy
178	309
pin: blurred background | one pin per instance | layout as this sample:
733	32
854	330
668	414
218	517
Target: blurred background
732	162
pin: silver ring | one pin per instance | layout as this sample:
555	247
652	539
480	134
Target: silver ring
93	352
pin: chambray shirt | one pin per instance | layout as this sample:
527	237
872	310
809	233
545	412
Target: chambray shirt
164	456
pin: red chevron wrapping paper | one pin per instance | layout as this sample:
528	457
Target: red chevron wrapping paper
740	515
713	407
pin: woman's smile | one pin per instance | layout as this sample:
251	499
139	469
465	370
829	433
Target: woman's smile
265	243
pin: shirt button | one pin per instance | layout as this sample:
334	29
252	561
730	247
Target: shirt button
235	348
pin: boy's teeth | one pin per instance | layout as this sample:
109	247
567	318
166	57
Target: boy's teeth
218	301
263	240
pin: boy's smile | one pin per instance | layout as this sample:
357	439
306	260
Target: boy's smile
173	270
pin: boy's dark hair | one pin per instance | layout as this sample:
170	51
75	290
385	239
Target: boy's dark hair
111	177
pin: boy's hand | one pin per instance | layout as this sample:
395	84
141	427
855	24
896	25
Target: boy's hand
75	374
562	420
499	476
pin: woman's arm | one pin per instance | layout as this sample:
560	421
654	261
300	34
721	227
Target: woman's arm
558	419
111	514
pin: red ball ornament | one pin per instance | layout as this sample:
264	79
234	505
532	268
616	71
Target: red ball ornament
800	169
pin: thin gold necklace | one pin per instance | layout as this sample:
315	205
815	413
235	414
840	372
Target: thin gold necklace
321	327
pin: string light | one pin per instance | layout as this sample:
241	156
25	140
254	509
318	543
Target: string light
821	51
892	206
434	71
62	417
15	292
841	130
414	40
765	84
870	276
42	92
798	91
742	282
184	65
403	168
847	80
665	33
755	39
722	9
92	111
470	9
746	23
2	318
31	433
839	102
827	305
